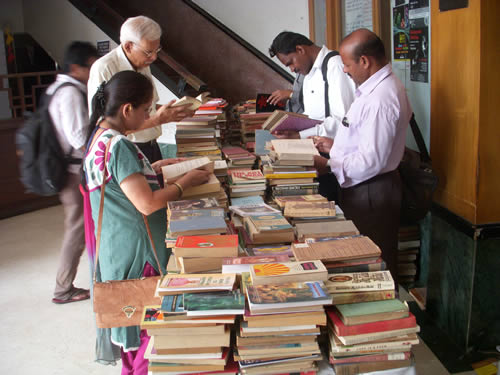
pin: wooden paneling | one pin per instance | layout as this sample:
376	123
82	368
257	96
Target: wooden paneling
455	106
488	208
465	135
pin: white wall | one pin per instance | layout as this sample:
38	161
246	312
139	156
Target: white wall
259	21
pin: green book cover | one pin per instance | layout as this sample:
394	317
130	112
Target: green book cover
375	307
221	301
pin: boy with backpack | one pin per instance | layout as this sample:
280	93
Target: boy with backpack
69	114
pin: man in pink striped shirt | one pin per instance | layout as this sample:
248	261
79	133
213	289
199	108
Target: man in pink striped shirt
369	146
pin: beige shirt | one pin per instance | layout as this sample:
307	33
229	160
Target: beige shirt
103	69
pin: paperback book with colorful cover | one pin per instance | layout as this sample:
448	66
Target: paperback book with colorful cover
287	296
215	303
280	273
195	283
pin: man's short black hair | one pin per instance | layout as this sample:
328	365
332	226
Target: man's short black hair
78	53
372	47
286	42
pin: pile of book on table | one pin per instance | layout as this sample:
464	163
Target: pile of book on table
246	182
191	330
238	157
369	329
250	122
202	216
204	253
342	254
279	332
289	167
198	136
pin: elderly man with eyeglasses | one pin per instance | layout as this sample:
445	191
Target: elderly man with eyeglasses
138	49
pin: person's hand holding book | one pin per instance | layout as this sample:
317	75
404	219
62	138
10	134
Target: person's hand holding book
323	144
194	177
279	96
168	113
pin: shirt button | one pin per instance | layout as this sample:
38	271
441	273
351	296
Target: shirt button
312	91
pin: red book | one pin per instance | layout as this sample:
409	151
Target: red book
218	246
386	325
372	358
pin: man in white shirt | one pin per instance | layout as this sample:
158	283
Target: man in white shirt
138	49
303	57
369	146
68	111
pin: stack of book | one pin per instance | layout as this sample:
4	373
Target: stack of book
191	331
204	253
246	182
238	157
194	217
279	331
250	122
310	212
289	167
271	228
369	330
408	251
197	136
342	254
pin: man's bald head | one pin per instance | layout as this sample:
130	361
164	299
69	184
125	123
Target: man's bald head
363	42
363	54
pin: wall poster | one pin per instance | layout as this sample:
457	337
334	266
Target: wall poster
419	40
401	30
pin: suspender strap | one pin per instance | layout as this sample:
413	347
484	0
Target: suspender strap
419	139
324	71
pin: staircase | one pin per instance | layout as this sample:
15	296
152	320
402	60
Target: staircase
201	53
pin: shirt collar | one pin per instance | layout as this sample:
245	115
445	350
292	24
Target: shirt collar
124	59
319	59
371	83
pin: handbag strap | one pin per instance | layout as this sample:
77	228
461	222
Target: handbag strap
99	220
424	154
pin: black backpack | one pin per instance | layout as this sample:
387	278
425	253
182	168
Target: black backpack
42	162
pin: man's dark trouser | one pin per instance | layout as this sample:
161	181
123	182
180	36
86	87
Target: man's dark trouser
374	207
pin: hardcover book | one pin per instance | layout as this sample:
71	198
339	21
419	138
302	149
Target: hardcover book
355	297
366	312
249	176
175	284
280	273
310	209
360	282
269	222
337	250
281	120
338	228
341	329
207	246
262	104
294	149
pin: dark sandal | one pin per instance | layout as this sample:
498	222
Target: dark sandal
82	295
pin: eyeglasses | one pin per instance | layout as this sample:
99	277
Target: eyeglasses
148	54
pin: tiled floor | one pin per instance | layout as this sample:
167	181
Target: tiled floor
39	337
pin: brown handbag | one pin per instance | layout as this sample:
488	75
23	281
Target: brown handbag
120	303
